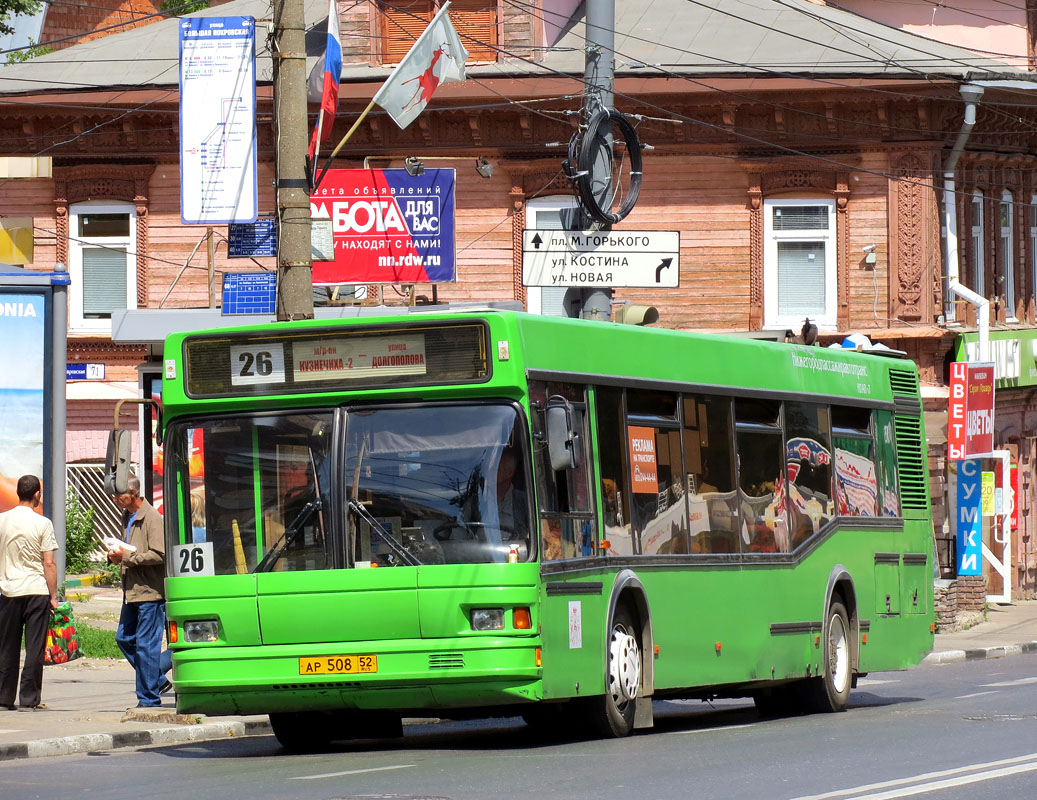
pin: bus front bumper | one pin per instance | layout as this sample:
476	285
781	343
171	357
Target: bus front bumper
410	676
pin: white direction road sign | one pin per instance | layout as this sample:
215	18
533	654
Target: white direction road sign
601	258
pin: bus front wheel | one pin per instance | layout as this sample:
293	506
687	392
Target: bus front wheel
831	690
612	714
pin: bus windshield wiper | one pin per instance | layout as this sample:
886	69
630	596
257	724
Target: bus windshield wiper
273	555
398	550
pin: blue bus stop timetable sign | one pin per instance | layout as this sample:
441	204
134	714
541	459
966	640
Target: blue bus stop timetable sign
252	239
249	292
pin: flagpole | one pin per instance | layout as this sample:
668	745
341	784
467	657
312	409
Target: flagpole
341	144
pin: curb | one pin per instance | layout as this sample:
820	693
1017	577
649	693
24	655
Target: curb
950	656
82	580
95	742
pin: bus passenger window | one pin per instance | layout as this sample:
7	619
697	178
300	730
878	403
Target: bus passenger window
659	513
615	498
889	493
654	454
761	480
709	474
808	466
564	497
856	473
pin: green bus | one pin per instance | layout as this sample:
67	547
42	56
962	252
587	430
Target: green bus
483	512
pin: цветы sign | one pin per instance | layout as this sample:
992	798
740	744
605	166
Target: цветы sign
970	410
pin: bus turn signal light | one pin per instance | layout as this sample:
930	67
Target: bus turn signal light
539	660
522	619
173	633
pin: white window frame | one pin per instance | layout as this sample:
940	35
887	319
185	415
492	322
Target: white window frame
1008	254
77	322
978	243
1033	242
535	296
828	319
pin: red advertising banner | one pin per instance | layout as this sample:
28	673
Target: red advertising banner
970	410
388	226
644	469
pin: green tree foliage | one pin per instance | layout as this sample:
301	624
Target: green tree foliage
79	535
178	8
33	50
12	8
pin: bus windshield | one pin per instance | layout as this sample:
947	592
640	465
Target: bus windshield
420	485
258	491
436	485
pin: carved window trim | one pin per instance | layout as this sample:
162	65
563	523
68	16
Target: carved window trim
530	180
794	181
109	184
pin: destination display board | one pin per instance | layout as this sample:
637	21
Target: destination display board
328	359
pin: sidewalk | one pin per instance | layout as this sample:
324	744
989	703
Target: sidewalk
87	699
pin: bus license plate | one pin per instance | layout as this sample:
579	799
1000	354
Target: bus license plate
338	665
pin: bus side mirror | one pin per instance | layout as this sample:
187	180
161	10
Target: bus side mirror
563	442
117	463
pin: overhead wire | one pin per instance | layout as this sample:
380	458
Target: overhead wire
511	101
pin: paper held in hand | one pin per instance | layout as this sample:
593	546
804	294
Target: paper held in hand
117	545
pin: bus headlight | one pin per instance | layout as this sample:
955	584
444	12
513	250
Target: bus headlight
201	630
487	619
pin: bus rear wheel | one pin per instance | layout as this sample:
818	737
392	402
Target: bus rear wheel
612	714
831	690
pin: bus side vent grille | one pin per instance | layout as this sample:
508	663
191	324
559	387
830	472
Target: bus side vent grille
913	477
446	661
903	383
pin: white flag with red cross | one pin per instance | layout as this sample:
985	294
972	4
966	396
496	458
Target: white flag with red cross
436	57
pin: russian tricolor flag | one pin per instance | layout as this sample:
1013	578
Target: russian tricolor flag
327	82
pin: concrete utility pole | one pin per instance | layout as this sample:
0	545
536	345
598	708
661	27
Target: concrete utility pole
294	262
599	74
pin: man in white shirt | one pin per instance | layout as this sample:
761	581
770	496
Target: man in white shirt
29	585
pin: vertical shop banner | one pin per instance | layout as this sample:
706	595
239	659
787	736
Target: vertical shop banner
969	522
22	382
987	489
218	120
388	226
970	410
644	469
1013	497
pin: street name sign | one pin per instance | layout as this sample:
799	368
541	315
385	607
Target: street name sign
621	259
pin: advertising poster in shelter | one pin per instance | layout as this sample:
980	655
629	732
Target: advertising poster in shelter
22	376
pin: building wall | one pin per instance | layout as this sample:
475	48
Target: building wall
1015	430
992	26
71	24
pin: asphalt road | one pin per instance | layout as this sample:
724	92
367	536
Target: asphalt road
951	731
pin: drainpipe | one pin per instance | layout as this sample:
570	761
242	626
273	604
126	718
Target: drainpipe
954	288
